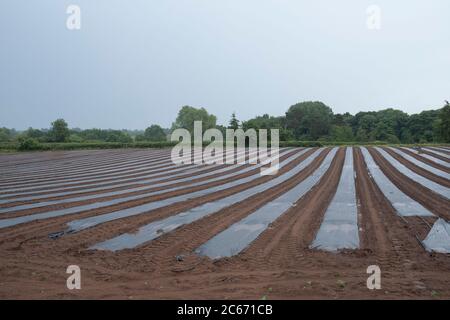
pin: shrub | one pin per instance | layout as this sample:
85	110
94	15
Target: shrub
26	144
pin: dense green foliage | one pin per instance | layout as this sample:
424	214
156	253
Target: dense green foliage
101	135
187	115
152	133
59	131
310	121
304	124
28	144
269	122
47	146
443	124
7	135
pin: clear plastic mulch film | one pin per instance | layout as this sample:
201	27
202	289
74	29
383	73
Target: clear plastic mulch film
438	239
81	224
339	228
433	186
121	182
238	236
403	204
154	185
155	229
442	154
429	157
421	164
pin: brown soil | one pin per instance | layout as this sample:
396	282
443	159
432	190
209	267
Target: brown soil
95	161
277	265
435	155
430	200
151	198
92	172
427	161
441	150
427	174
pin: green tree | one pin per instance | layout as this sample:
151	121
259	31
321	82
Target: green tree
345	119
342	133
118	136
392	138
26	143
310	120
5	135
104	135
35	134
187	115
75	138
382	131
406	136
154	133
263	122
393	120
368	122
420	125
59	131
361	135
269	122
364	125
234	122
444	123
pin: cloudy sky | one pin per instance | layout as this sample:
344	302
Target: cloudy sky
134	63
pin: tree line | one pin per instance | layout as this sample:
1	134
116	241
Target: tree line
304	121
315	121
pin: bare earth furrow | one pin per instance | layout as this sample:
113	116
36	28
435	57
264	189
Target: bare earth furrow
279	264
416	191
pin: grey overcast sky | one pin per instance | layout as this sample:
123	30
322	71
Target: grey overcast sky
134	63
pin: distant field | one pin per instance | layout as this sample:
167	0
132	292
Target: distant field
13	147
139	226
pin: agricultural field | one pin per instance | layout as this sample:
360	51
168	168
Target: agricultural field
139	226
